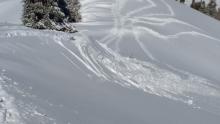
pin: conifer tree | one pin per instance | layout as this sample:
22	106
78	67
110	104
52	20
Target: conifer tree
51	14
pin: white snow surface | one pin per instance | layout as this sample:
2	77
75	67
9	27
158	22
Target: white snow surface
11	11
132	61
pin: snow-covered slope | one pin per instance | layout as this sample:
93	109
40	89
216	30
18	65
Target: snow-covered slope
11	11
133	61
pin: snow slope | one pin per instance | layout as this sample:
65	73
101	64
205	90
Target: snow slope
139	61
11	11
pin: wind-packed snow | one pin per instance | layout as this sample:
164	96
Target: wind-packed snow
133	61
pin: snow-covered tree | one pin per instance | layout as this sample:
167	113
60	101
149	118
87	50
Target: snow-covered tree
51	14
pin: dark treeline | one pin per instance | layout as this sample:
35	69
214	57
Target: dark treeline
209	8
51	14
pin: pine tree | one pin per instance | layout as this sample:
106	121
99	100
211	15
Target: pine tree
182	1
212	8
51	14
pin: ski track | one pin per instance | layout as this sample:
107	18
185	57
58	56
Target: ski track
128	72
105	63
132	72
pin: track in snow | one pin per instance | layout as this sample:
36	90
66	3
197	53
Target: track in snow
141	19
114	20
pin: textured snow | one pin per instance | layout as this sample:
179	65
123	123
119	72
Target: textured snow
153	24
133	61
8	111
